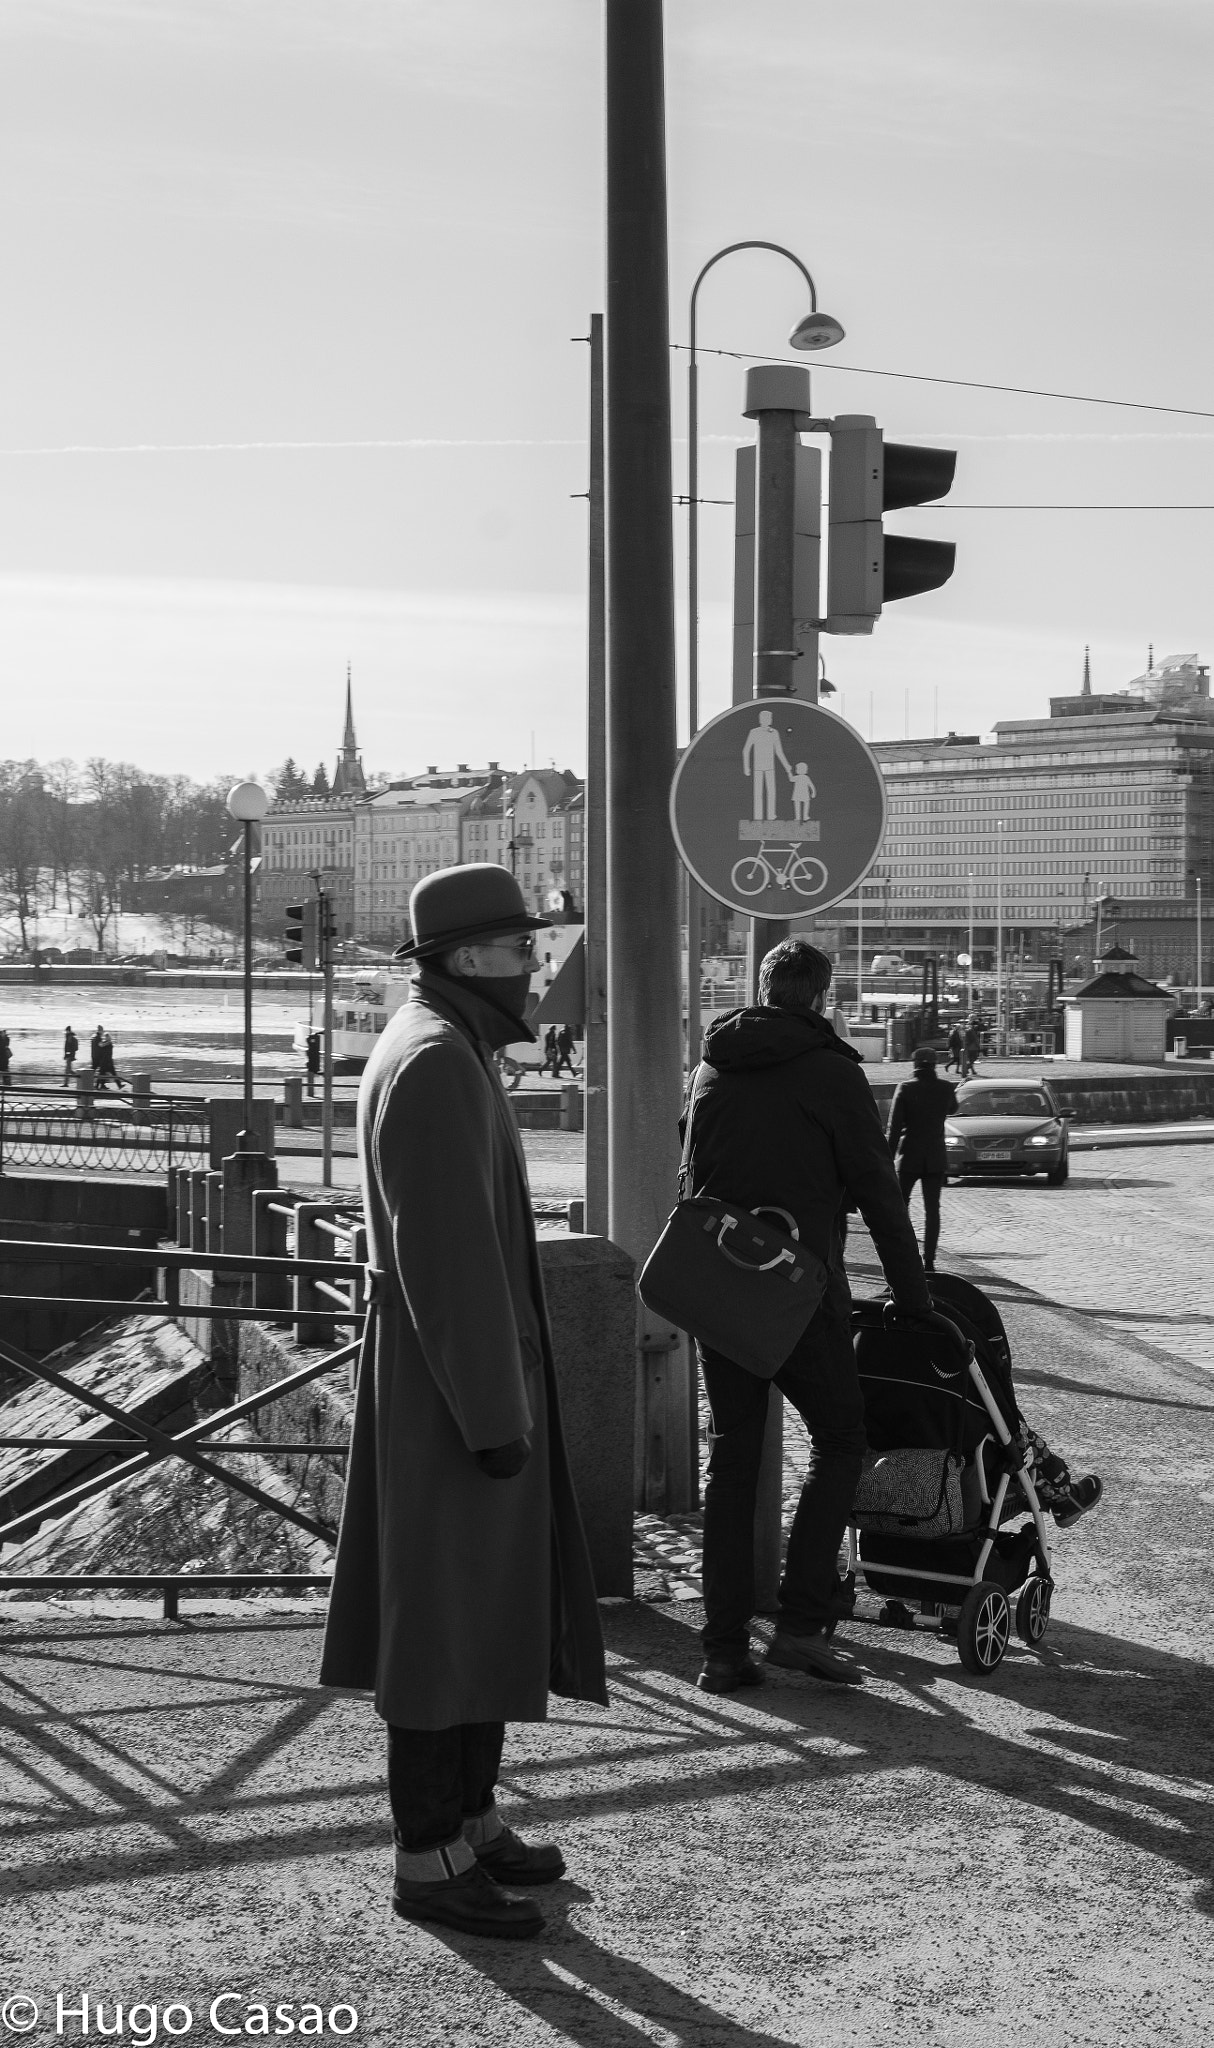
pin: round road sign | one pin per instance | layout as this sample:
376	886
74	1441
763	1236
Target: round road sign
778	808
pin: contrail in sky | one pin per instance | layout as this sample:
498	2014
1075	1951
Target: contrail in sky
246	447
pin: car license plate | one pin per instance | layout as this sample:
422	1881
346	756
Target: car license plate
996	1155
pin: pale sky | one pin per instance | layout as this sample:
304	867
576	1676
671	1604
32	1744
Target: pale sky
369	228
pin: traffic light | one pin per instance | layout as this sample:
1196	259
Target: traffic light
302	926
867	567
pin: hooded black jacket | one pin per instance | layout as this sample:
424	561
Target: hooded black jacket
782	1114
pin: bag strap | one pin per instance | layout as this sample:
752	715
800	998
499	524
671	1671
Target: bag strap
688	1111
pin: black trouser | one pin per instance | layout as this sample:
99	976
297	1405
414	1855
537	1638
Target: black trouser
820	1380
436	1776
908	1174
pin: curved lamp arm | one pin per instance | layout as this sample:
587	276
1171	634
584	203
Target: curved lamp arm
777	249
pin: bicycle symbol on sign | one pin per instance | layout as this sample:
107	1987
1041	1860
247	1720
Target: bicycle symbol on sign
801	872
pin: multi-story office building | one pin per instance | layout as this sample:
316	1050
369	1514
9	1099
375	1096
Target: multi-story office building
303	836
1110	797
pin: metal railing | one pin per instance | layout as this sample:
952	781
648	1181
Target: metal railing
144	1442
94	1131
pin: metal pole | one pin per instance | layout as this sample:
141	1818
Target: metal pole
693	664
326	1112
1199	986
246	1142
999	945
594	1067
859	952
645	1053
969	973
775	656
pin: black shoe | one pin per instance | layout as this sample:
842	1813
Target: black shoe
511	1861
813	1655
724	1674
471	1903
1080	1495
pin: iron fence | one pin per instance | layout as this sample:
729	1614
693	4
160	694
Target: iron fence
143	1443
96	1132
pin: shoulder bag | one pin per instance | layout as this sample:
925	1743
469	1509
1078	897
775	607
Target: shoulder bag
732	1279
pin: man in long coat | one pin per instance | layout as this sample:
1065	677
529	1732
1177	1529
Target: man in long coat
462	1589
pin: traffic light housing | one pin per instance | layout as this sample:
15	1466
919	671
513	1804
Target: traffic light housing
302	933
867	567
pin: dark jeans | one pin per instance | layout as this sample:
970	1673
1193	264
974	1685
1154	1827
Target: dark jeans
437	1775
820	1380
931	1183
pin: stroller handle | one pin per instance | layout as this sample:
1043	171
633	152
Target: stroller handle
933	1322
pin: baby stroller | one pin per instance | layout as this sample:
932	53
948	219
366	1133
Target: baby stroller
948	1472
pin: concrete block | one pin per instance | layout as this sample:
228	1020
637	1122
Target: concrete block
226	1116
592	1309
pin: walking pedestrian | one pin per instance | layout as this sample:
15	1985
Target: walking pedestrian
462	1590
564	1046
971	1048
71	1046
783	1119
956	1051
551	1055
6	1054
95	1044
105	1064
916	1139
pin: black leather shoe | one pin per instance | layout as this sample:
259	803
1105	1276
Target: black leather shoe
722	1674
511	1861
471	1903
814	1656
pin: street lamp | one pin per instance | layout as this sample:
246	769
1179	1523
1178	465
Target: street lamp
813	331
248	802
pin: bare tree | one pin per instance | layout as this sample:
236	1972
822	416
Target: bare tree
21	839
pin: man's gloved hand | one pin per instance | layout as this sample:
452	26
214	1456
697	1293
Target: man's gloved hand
505	1461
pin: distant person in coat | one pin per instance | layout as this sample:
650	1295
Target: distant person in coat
462	1589
6	1054
971	1047
916	1139
106	1071
71	1046
956	1050
564	1047
551	1052
95	1044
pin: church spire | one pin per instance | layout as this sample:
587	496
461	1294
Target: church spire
1087	672
349	779
349	745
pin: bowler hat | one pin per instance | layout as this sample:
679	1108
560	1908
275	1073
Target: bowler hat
459	906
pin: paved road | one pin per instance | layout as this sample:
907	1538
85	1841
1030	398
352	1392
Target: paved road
1126	1242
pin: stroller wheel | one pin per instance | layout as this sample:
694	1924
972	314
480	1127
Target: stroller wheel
1033	1610
983	1627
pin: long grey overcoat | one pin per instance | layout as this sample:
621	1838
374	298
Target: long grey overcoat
456	1597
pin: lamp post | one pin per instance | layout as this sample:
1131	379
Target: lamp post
248	802
1199	992
814	331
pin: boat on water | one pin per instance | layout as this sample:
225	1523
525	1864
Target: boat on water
360	1014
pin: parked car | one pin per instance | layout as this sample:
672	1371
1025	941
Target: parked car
1007	1127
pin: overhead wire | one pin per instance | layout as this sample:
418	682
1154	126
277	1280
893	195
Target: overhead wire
1189	412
